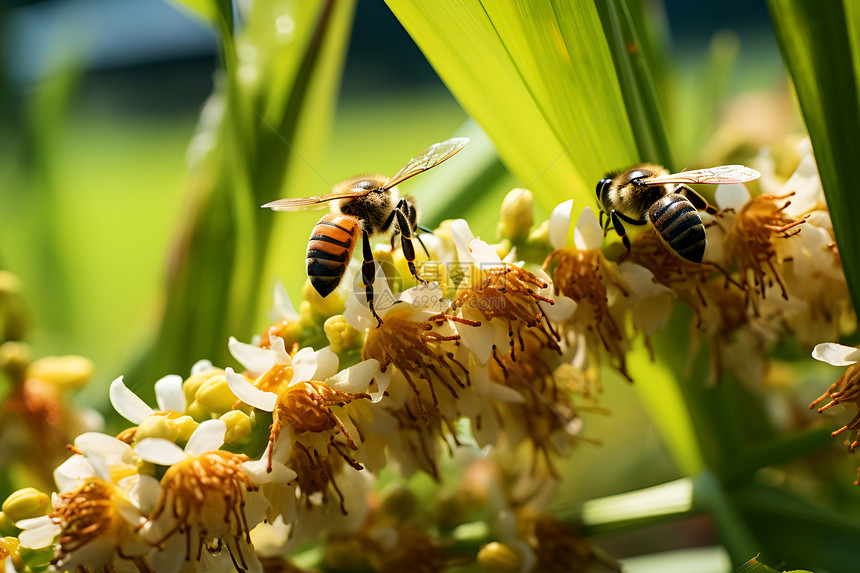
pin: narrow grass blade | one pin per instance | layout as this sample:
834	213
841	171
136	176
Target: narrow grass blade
820	44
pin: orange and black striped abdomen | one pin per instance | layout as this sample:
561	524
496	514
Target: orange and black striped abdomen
329	251
679	226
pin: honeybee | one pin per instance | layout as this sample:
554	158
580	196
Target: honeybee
366	204
648	193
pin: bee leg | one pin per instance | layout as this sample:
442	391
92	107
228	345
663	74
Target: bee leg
368	274
697	200
622	232
406	241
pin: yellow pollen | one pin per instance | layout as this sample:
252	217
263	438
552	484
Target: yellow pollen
415	348
750	240
508	294
206	495
276	379
846	390
578	275
305	409
85	515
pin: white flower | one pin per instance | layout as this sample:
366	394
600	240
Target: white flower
587	234
421	300
168	395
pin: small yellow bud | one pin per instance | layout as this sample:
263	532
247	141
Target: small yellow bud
328	306
215	395
495	557
193	383
185	426
14	359
238	426
540	236
341	335
157	427
516	217
64	372
26	503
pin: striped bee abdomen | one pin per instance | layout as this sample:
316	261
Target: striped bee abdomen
679	226
329	251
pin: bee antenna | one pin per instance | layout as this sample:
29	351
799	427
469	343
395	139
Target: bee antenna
417	236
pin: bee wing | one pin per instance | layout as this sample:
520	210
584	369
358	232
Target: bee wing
310	203
429	158
711	176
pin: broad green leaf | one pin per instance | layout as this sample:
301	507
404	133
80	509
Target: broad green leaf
281	77
820	44
538	77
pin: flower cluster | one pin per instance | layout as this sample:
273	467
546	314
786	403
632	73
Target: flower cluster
233	468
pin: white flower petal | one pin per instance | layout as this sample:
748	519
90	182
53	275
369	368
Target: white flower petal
258	471
201	366
159	451
143	491
248	393
356	312
355	379
73	470
479	340
38	532
279	347
383	380
169	394
559	224
327	363
283	306
836	354
505	394
112	450
731	196
462	234
207	437
127	403
561	309
484	256
254	359
304	365
587	235
427	296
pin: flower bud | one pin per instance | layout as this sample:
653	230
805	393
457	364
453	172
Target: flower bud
328	306
64	372
516	217
193	383
238	426
26	503
157	427
341	335
495	557
215	396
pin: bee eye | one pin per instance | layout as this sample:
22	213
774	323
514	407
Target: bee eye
601	184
